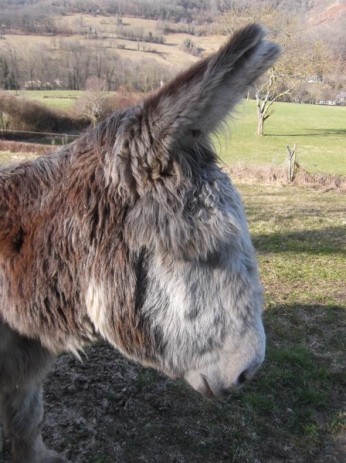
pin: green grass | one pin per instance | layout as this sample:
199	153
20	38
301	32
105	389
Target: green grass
318	131
297	399
5	156
299	234
60	99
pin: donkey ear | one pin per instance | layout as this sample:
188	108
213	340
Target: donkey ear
199	99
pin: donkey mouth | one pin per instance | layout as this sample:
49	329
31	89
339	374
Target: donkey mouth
215	391
207	391
214	386
212	391
205	386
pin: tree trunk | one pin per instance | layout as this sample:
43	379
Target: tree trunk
260	123
261	106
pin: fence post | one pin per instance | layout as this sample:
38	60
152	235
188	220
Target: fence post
293	165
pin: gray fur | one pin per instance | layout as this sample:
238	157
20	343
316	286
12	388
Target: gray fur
133	234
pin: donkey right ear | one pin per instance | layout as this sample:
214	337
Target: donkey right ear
199	99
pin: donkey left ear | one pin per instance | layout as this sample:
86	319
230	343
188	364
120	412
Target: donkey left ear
199	99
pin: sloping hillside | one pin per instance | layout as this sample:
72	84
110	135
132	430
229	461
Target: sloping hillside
328	13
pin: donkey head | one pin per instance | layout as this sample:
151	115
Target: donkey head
198	296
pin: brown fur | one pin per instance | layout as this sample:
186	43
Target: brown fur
119	234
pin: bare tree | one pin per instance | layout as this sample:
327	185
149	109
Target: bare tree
266	95
7	78
300	58
78	64
14	63
91	105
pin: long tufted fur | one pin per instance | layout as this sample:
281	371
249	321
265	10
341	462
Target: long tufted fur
119	234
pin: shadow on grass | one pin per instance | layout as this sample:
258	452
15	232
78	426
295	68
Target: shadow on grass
310	133
328	240
301	385
316	326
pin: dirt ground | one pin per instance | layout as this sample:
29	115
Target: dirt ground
109	410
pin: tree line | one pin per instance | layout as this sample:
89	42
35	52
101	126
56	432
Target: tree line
312	67
71	64
37	16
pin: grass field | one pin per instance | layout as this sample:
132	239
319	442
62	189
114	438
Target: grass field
299	397
60	99
318	131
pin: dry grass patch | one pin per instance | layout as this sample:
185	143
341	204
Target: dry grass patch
16	147
278	175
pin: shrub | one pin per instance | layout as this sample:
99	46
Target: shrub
28	115
190	47
95	106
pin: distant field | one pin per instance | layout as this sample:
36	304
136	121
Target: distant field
169	53
318	131
5	156
61	99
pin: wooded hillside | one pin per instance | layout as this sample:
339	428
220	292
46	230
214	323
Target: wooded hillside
136	44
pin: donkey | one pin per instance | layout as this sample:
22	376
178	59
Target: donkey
133	234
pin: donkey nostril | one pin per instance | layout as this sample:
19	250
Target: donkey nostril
243	377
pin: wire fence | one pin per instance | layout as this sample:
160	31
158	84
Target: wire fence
51	138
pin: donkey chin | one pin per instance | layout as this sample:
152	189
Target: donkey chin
232	370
